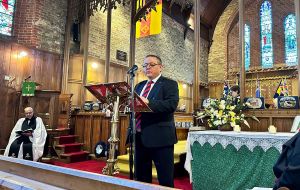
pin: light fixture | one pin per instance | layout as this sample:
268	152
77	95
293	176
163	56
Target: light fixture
23	54
94	65
191	21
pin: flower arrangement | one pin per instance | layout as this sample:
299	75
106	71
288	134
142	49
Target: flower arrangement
227	111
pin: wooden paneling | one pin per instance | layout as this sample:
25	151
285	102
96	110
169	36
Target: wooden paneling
64	110
45	105
75	68
92	127
185	96
117	73
43	67
216	89
96	131
282	119
75	88
9	102
95	75
182	133
35	64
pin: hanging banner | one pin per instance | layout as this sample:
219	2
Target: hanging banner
28	88
152	24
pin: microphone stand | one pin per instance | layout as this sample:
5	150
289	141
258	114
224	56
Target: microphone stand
132	129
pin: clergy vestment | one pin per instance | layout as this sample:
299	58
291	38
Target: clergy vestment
33	146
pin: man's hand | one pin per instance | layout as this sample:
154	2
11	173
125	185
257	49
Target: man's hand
145	100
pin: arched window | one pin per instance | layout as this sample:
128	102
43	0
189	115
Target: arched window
290	40
247	47
266	35
7	8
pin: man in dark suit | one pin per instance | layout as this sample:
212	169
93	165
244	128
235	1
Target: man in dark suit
155	131
287	167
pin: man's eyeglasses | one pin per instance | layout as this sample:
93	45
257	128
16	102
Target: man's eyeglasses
145	65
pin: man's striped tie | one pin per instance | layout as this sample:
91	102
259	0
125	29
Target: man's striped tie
138	115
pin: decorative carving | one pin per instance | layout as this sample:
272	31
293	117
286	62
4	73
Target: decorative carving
78	7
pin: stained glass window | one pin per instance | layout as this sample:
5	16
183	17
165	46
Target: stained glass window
290	40
7	8
247	47
266	35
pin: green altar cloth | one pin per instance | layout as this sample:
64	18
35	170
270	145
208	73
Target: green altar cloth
219	160
216	168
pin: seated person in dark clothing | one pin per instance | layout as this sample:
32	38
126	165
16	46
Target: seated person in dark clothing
287	167
235	93
27	138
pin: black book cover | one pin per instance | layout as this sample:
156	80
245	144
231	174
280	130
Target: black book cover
25	131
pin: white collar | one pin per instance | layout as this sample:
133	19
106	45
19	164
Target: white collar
154	80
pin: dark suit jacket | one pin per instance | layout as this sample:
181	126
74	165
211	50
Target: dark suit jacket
287	167
158	127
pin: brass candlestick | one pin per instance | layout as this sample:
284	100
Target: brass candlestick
111	167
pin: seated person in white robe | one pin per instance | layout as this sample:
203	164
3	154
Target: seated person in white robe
27	138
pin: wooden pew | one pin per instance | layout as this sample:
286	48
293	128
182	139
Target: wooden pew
67	178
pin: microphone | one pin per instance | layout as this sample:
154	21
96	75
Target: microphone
27	78
132	69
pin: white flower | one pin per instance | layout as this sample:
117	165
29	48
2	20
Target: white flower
215	112
222	106
217	122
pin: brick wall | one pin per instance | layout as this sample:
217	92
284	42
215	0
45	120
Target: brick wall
120	32
217	59
176	53
41	24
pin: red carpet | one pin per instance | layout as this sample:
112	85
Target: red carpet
96	167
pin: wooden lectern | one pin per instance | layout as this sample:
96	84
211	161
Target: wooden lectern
116	94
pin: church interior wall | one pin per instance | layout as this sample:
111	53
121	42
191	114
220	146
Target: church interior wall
40	24
175	51
280	9
35	48
39	31
217	58
225	50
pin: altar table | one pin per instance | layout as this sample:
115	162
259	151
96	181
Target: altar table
223	160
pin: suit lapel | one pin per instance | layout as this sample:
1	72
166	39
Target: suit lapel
140	87
155	88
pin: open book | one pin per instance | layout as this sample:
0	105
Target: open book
24	131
